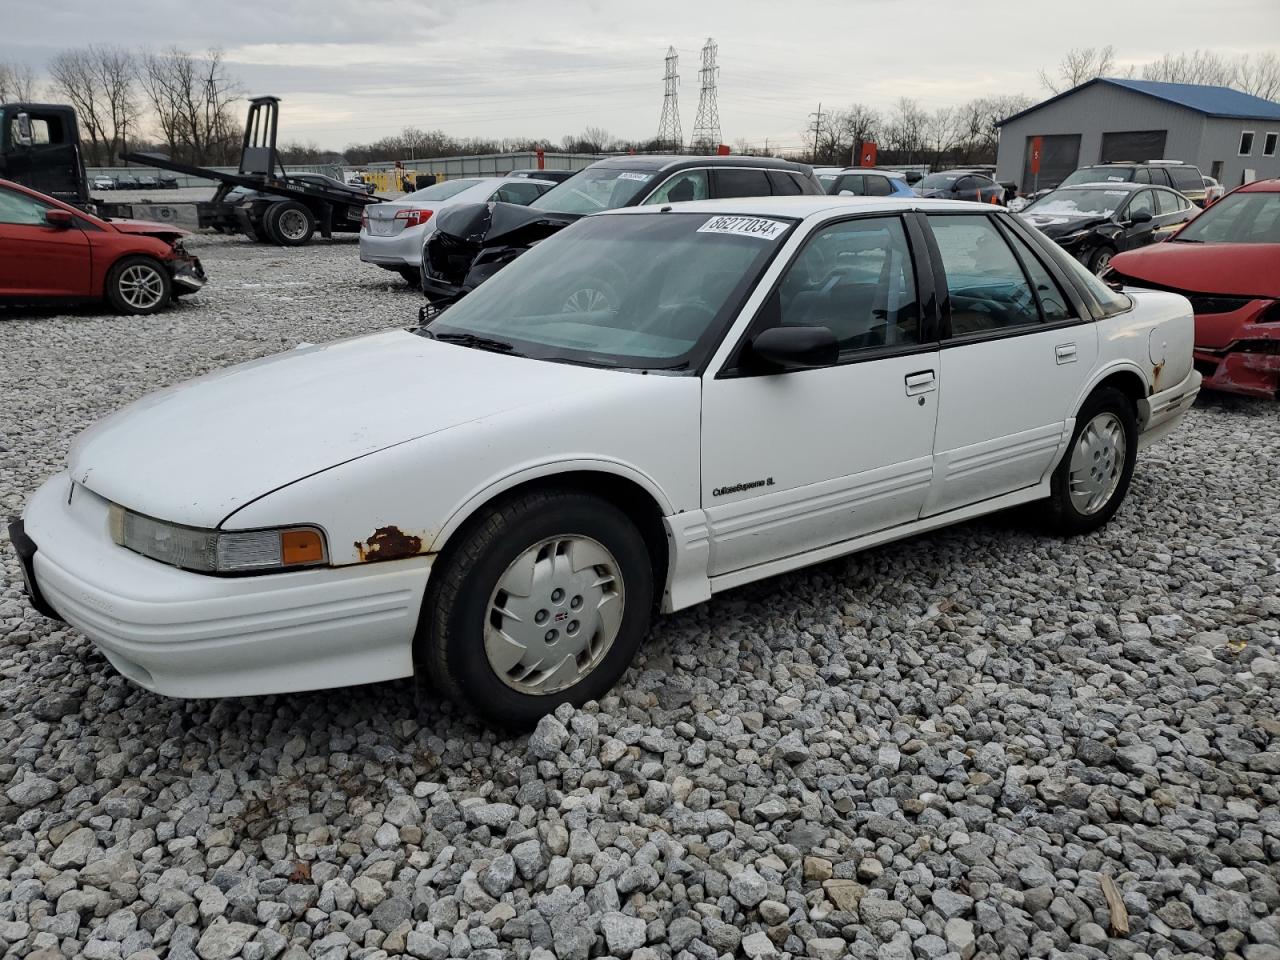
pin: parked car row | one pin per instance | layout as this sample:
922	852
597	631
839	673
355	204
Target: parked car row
630	417
128	181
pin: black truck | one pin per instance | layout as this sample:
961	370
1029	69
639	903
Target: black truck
40	148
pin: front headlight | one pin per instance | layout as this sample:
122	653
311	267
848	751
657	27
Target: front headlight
218	551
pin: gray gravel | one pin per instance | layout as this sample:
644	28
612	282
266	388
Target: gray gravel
932	750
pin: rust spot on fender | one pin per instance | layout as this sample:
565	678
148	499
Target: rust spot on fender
1156	370
388	543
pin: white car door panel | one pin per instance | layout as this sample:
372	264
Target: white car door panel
825	455
1010	380
798	460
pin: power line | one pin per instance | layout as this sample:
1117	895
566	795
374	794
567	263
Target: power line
706	126
669	136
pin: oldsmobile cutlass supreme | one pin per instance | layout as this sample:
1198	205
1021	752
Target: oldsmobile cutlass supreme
647	408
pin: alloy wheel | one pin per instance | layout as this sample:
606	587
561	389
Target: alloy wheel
141	286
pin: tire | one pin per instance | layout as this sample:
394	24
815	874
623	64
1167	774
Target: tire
138	286
1109	414
462	632
412	276
1100	259
289	223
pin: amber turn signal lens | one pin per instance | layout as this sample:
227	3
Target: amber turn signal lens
301	546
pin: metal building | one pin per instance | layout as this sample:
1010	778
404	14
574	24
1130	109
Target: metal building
1229	135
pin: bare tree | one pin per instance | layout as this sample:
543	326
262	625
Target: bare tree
1199	66
1079	65
190	98
1259	75
942	132
98	81
114	70
905	130
17	83
74	79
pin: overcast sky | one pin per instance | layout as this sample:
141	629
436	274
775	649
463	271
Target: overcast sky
354	71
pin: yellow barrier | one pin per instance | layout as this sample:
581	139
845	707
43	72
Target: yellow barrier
385	181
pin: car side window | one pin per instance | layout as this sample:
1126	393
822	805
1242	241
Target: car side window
685	185
18	208
1053	302
783	185
1142	175
855	278
986	286
1140	202
731	182
516	192
878	186
855	183
1166	202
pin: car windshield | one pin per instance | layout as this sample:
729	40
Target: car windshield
594	190
1099	175
634	291
441	191
1100	202
1237	218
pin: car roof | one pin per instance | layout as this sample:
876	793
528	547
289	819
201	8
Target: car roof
1271	185
883	173
1113	185
645	161
806	206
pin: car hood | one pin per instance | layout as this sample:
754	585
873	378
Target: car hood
1060	225
196	452
147	228
1230	269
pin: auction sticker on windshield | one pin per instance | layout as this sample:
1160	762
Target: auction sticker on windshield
745	227
628	175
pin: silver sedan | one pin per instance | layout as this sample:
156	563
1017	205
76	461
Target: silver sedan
392	234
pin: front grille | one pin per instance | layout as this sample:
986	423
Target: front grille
1257	346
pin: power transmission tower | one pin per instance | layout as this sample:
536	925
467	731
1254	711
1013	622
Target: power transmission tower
669	136
817	129
706	126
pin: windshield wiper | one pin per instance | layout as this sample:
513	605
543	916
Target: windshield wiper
478	342
1185	240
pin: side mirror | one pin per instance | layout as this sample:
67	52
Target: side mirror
58	218
1141	216
796	348
25	137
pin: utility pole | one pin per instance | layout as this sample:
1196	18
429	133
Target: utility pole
669	136
817	129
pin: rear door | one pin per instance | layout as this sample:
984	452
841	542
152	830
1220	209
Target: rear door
1138	234
37	259
1015	354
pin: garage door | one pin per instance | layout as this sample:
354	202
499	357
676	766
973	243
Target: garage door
1059	156
1135	145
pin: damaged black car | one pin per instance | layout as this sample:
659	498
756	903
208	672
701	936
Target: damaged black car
471	242
1095	221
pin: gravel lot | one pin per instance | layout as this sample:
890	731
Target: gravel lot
937	749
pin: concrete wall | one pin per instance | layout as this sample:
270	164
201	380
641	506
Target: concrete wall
1221	141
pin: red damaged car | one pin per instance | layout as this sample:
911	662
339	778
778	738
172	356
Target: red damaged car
50	250
1227	263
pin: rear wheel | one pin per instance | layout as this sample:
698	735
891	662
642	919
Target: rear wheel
544	600
1090	483
289	223
138	285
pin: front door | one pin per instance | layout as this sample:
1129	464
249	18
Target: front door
1012	367
799	460
37	259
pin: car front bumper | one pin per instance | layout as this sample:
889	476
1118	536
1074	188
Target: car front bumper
186	634
189	275
402	250
1239	351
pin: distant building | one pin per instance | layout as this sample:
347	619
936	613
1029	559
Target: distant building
1229	135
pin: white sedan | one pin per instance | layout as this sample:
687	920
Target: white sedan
392	233
504	497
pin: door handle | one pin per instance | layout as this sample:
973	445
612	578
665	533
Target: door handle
1065	352
921	382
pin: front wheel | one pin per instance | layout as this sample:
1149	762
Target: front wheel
411	275
544	600
1100	259
1090	483
138	286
